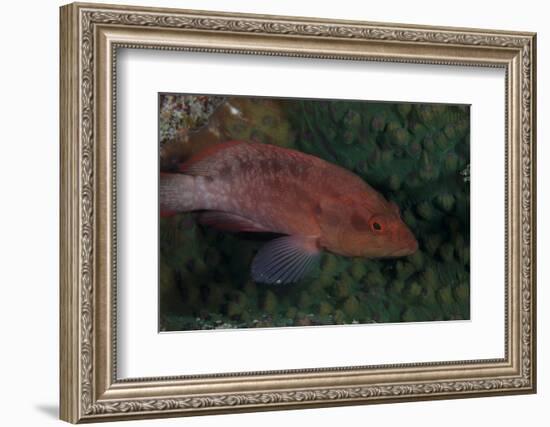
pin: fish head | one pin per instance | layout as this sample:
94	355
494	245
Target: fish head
360	230
383	235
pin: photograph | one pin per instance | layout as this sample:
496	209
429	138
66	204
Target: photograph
279	212
263	212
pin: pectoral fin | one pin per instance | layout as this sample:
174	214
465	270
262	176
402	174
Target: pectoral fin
285	260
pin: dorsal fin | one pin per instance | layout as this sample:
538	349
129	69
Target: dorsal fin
197	165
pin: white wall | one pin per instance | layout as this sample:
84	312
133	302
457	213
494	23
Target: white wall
29	212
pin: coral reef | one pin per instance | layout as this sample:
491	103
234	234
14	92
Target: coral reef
414	154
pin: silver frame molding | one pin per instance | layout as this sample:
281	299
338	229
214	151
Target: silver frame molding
90	37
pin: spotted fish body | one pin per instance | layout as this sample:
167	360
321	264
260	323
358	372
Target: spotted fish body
242	186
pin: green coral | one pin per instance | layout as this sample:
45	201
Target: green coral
445	202
417	260
325	309
358	269
415	289
351	306
270	302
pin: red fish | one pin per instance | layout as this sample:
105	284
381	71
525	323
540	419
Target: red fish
253	187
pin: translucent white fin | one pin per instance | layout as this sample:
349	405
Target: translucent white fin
285	260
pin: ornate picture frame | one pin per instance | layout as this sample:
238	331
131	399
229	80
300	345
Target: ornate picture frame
90	37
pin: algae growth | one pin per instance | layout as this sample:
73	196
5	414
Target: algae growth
414	154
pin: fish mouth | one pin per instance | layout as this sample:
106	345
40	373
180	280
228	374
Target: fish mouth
408	249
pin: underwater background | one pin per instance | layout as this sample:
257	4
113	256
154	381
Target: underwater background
414	154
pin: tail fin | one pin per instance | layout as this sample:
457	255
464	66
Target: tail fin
176	193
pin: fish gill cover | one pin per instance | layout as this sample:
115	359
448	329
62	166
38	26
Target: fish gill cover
416	155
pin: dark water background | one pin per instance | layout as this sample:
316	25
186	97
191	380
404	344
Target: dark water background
414	154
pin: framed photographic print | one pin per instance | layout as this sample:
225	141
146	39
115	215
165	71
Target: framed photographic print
266	212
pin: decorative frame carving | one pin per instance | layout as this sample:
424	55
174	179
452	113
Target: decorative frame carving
90	36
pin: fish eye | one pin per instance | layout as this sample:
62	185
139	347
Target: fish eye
376	225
